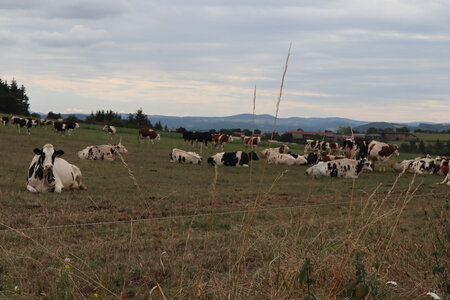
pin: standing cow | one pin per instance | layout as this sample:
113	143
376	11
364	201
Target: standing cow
221	139
251	141
5	120
150	134
381	152
48	172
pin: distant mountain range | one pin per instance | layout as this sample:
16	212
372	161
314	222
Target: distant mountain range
265	123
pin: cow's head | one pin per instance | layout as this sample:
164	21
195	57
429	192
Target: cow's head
47	156
363	164
397	148
158	137
121	148
105	128
211	161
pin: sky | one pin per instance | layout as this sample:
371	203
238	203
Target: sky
371	60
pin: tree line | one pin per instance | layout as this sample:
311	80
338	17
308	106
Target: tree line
13	99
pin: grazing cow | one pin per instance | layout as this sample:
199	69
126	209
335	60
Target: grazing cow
70	126
22	123
45	122
5	120
48	172
150	134
285	159
237	159
251	141
221	139
316	146
381	152
110	130
60	127
102	152
281	149
181	156
347	168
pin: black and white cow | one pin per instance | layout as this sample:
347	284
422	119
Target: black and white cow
70	126
237	159
313	145
181	156
45	122
102	152
63	126
48	172
22	123
110	130
5	120
347	168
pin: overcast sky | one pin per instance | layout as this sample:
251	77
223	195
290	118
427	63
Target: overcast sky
364	60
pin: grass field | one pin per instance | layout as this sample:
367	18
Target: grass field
174	231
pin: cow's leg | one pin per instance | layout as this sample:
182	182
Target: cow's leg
153	142
31	189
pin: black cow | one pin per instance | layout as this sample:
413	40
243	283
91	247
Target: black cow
193	136
5	120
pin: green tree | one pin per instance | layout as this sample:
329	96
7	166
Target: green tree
372	130
53	116
403	129
343	130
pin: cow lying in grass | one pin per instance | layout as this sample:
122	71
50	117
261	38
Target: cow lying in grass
347	168
418	165
236	159
281	149
285	159
181	156
48	172
446	180
102	152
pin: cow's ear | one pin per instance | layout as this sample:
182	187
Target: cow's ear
37	151
58	153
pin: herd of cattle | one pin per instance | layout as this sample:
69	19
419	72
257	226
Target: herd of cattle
59	125
49	172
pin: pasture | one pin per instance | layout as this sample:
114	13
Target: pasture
148	228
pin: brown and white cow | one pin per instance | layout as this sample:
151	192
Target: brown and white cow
251	141
221	139
150	134
381	152
110	130
102	152
328	157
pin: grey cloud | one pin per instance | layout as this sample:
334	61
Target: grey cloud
78	35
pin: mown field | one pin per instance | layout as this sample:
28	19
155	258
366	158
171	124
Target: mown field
148	228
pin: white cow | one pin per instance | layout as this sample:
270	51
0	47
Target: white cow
266	152
181	156
285	159
48	172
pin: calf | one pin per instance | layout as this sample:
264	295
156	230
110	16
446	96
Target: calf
48	172
381	152
5	120
102	152
251	141
237	159
182	156
110	130
150	134
347	168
